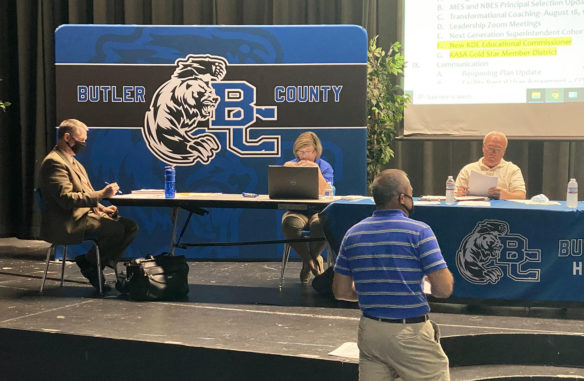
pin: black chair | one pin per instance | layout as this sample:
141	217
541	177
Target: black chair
52	249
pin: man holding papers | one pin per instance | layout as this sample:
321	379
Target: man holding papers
474	179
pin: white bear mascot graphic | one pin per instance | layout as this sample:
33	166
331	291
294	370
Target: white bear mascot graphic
479	249
186	99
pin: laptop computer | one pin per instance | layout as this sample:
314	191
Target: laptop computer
292	182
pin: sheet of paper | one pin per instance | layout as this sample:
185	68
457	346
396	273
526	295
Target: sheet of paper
353	197
472	198
427	287
424	202
479	184
432	198
148	191
474	203
198	194
531	202
348	350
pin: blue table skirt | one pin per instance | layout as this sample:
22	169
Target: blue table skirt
507	251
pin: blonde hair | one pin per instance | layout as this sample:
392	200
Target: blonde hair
305	139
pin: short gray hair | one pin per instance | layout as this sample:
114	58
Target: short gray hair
71	126
498	133
388	185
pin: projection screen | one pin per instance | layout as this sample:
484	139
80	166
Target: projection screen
473	66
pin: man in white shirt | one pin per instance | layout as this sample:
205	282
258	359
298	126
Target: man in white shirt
510	184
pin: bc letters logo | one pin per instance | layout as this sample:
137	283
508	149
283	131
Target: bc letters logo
490	251
195	93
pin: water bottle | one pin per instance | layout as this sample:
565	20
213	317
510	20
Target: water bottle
328	191
449	191
169	181
572	195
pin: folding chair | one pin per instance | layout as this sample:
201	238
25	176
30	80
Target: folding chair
52	250
286	255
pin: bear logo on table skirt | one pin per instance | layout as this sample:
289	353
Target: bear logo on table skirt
479	249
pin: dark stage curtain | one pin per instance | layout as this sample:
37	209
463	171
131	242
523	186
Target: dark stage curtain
27	69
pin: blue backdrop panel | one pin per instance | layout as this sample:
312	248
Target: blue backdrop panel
219	103
508	251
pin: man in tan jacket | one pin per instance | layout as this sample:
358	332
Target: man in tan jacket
71	208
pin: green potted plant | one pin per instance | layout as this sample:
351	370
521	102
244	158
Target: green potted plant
385	104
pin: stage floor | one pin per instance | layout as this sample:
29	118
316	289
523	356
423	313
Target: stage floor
239	306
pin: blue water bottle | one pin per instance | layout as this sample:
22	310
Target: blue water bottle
169	177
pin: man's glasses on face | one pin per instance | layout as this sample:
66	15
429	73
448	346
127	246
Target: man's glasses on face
492	149
408	196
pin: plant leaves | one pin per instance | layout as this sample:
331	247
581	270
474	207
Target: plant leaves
385	104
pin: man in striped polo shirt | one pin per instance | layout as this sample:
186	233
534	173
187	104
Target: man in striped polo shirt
382	264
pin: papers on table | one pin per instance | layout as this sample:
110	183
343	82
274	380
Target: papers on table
198	194
347	350
354	197
145	193
475	203
531	202
432	198
461	201
479	184
148	191
426	202
472	198
461	198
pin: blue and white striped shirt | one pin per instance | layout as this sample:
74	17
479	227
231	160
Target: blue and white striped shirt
388	255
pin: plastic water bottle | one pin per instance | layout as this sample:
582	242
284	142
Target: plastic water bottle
328	191
449	191
169	181
572	195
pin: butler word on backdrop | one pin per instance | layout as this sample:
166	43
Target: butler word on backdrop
218	103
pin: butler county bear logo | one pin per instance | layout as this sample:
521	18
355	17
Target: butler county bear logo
491	251
479	251
177	108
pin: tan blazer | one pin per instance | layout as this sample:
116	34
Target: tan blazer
66	201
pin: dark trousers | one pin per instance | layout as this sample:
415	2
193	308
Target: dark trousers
113	236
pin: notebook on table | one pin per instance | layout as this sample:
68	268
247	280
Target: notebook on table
292	182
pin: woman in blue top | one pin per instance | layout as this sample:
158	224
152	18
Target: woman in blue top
307	150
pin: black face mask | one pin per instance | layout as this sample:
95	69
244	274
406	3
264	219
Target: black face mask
409	210
77	147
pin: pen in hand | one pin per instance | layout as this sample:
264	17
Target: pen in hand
117	192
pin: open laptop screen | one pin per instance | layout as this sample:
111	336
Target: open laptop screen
292	182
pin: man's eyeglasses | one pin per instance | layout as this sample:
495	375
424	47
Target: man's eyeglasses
408	196
494	149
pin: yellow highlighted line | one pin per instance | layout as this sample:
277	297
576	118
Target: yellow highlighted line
506	43
503	53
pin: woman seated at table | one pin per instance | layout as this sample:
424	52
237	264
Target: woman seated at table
307	150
